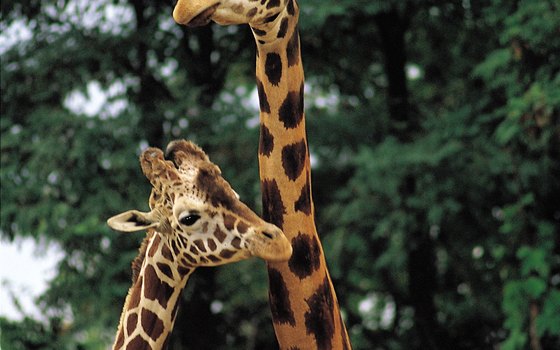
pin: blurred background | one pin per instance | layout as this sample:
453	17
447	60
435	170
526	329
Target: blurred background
434	132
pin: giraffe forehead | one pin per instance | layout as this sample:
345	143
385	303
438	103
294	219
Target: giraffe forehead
188	173
184	185
198	187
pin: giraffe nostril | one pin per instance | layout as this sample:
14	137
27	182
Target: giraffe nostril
268	235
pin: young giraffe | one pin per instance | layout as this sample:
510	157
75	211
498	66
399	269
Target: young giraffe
303	302
196	219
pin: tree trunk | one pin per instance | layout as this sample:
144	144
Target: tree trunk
392	28
422	272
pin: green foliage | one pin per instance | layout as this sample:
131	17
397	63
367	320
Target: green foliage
529	131
29	334
548	320
440	228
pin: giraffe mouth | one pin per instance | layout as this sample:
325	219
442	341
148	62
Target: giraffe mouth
204	17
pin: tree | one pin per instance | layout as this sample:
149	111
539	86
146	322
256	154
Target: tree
428	205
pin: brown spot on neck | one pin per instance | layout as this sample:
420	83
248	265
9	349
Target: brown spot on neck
306	257
273	206
131	323
279	297
138	344
319	320
152	324
155	288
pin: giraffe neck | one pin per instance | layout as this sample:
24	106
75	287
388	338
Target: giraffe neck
151	305
302	298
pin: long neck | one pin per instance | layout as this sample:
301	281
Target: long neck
302	298
150	308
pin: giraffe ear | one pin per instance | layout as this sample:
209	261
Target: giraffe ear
132	221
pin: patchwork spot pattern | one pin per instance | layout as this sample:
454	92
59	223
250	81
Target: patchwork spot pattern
306	255
273	207
293	159
319	320
279	296
273	68
291	109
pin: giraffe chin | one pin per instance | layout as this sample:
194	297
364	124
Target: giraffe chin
204	17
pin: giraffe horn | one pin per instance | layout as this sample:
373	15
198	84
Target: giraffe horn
156	168
172	152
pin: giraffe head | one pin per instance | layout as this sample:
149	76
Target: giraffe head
197	210
200	12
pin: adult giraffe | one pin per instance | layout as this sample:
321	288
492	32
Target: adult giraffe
303	301
196	219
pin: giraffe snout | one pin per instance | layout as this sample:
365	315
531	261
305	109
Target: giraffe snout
272	232
270	244
194	13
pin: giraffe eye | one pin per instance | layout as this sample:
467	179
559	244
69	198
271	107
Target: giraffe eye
189	219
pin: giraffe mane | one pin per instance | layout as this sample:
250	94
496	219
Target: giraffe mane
139	260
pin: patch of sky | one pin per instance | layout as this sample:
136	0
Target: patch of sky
100	102
413	72
322	98
26	266
16	33
109	17
377	311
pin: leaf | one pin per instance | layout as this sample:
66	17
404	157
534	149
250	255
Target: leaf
515	341
513	304
549	319
507	130
535	287
533	260
496	60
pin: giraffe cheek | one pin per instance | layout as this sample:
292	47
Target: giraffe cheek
235	255
224	17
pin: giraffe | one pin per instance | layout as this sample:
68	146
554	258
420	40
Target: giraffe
196	219
302	298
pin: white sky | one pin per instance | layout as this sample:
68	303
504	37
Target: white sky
25	268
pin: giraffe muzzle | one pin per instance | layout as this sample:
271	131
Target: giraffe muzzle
194	13
271	245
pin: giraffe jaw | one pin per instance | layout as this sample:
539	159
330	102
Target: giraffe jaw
204	17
